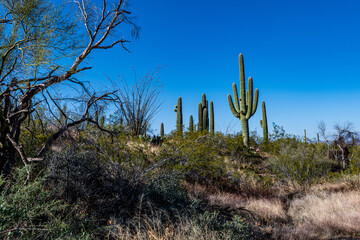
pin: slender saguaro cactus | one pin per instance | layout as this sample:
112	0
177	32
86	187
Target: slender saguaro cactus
200	115
179	116
317	138
305	136
96	116
263	123
212	122
191	124
162	134
246	105
102	121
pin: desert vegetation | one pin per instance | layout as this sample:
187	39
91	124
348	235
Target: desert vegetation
75	168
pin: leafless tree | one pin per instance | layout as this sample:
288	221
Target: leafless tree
340	142
37	36
138	103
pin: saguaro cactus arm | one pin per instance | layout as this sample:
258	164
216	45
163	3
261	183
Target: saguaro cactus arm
232	107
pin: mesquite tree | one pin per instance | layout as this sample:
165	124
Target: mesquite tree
43	45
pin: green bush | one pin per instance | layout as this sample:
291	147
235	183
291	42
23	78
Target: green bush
29	212
301	164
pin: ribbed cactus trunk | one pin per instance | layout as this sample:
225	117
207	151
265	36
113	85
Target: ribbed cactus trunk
162	134
179	116
263	123
203	113
212	121
305	140
191	124
248	103
200	115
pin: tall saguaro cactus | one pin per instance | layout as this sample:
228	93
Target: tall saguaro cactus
263	123
162	134
203	113
179	116
191	124
102	121
212	121
246	105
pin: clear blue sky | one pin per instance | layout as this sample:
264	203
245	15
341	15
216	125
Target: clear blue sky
304	57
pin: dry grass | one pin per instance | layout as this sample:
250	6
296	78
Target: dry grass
324	215
267	209
154	229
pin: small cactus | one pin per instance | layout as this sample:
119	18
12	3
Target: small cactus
263	123
179	116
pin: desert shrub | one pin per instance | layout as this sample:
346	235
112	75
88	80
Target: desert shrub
29	212
199	157
300	164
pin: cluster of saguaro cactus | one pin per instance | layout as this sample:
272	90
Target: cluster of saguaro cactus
263	122
203	113
179	116
246	105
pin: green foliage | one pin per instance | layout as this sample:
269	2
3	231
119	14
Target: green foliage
30	212
300	164
236	227
197	156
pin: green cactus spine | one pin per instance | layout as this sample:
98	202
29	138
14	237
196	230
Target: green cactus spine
179	116
212	121
191	124
246	107
263	123
162	133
